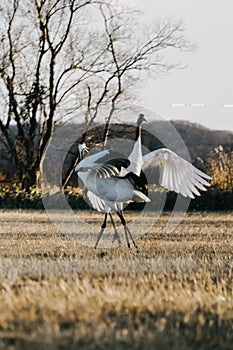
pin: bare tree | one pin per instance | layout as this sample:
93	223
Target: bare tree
58	57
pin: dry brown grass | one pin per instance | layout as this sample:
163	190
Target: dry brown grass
175	292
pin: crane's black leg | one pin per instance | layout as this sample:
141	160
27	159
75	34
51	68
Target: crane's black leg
135	245
103	226
116	234
126	229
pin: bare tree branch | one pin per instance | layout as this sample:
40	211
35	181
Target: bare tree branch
63	57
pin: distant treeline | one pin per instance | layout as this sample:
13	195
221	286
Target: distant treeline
214	199
210	151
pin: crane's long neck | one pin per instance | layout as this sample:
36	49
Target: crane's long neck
135	156
138	132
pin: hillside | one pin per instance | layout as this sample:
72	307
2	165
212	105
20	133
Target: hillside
200	141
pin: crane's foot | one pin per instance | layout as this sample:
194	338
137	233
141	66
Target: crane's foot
131	237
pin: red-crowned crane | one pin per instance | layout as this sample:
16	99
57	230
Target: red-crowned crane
111	183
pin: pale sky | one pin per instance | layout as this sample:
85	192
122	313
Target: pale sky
208	79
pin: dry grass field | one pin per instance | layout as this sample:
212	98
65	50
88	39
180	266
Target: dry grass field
174	292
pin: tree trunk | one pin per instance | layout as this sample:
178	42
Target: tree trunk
30	179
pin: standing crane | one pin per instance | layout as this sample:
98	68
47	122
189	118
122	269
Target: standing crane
111	183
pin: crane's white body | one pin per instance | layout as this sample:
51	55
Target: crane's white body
107	187
110	194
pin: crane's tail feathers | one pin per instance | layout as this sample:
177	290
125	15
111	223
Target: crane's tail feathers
96	202
139	197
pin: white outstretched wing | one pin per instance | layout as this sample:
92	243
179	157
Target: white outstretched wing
105	164
175	173
91	159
